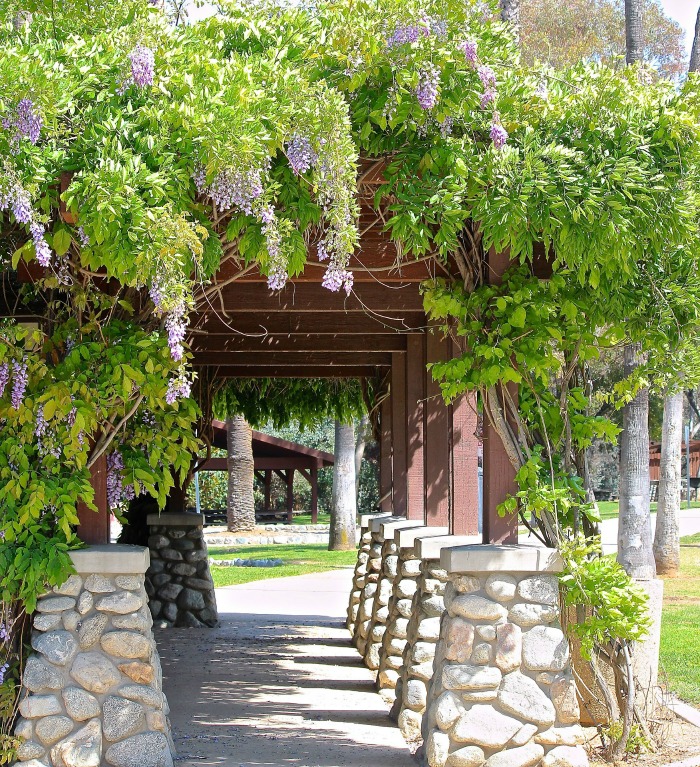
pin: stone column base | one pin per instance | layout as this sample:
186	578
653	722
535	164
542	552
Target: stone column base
179	581
502	693
92	689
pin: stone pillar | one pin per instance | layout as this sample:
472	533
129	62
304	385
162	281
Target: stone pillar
422	633
179	581
92	689
400	608
385	586
360	575
502	694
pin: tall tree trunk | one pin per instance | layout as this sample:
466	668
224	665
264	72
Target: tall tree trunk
634	550
510	12
240	509
360	444
695	54
667	546
634	30
344	510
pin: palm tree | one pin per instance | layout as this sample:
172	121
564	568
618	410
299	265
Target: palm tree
694	65
667	545
240	510
510	11
344	510
634	30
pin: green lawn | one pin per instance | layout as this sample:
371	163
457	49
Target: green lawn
610	509
680	626
298	559
305	518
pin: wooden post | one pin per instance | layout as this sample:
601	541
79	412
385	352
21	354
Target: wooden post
385	458
94	526
415	438
314	495
268	489
437	440
499	474
290	496
398	431
465	467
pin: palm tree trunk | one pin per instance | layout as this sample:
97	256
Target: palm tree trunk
634	30
667	547
241	473
344	510
694	65
360	444
634	550
510	12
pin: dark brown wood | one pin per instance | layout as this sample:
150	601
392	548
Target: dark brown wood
437	440
264	463
283	371
398	430
268	489
465	467
290	496
314	495
415	417
264	359
327	323
315	343
385	457
499	474
240	297
94	526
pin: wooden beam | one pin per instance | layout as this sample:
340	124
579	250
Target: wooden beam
437	440
398	429
311	371
385	457
268	489
262	359
327	323
94	526
308	342
290	496
309	297
499	474
465	467
264	463
415	442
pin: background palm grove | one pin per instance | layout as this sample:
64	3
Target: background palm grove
140	152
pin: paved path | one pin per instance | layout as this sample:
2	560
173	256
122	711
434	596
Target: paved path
278	684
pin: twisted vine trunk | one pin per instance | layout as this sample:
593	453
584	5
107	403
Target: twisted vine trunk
667	546
634	550
240	508
344	510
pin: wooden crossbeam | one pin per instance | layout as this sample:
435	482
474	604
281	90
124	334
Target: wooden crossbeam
266	322
310	371
296	359
310	297
309	342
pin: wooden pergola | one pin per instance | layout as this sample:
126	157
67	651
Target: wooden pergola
272	455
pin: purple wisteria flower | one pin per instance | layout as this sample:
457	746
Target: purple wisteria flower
26	123
179	387
428	86
487	76
236	190
469	49
4	633
115	466
41	247
143	62
408	33
488	97
446	126
21	205
301	154
83	239
4	377
3	670
498	133
20	379
336	278
176	327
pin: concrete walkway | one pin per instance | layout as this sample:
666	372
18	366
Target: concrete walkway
278	684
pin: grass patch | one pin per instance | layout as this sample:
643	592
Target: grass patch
691	539
299	559
305	519
611	509
680	626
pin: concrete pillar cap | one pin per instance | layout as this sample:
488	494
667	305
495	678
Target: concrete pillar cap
365	519
489	557
430	548
177	519
111	559
408	536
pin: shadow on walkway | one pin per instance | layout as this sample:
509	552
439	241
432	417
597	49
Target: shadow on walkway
270	690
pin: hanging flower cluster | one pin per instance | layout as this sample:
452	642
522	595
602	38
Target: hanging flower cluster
498	134
428	88
117	492
143	63
24	123
232	189
179	387
20	379
45	439
15	199
301	154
